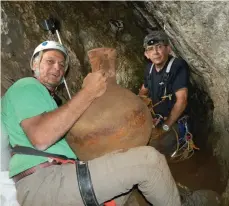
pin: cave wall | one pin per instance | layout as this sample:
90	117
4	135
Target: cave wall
199	32
84	25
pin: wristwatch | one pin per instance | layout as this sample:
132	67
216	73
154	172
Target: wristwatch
165	127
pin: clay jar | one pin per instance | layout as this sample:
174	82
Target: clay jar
117	120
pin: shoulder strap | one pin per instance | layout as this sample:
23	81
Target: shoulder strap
170	65
151	68
149	80
165	77
168	68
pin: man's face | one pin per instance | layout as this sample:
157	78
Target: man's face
52	66
158	53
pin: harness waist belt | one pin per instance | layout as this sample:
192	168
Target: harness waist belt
82	171
32	170
31	151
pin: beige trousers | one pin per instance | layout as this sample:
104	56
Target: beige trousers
112	175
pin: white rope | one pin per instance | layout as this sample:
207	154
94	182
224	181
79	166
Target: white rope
65	83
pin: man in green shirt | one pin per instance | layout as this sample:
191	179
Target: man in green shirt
33	120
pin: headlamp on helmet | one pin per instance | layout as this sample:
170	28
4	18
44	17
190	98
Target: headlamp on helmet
155	37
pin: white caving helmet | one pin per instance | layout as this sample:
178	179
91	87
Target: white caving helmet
51	45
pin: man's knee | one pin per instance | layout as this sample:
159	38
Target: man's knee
148	155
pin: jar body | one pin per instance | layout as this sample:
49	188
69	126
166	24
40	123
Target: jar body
117	120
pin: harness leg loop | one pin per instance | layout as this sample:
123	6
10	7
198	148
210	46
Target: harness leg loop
85	184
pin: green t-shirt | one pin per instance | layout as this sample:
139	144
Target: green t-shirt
25	99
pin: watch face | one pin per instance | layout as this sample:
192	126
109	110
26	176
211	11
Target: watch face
165	127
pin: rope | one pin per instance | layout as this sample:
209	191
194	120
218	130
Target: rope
183	151
149	104
163	99
178	145
186	150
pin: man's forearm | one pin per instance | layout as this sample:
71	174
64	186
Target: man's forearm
48	127
175	113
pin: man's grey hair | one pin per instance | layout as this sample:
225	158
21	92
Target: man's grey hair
37	58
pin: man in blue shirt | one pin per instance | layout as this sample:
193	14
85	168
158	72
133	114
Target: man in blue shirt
166	80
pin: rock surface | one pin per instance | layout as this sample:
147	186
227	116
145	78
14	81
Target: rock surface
84	25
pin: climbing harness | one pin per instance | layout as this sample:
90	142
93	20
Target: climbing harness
185	145
82	173
51	157
85	184
162	85
162	91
